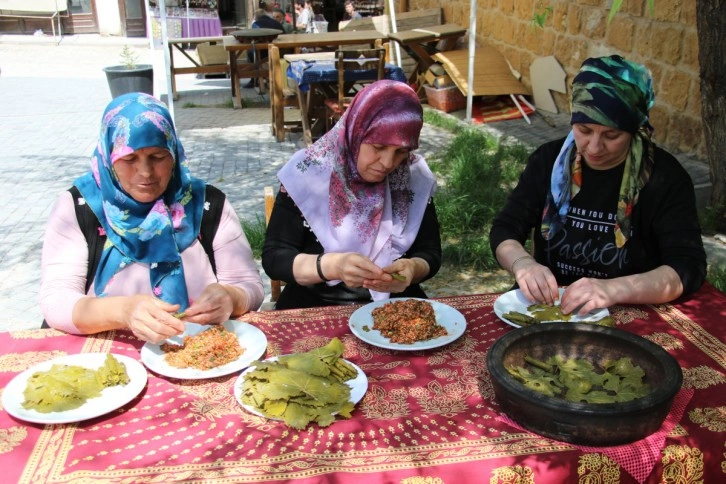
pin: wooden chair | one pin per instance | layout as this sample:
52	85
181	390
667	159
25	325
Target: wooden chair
281	97
275	285
353	60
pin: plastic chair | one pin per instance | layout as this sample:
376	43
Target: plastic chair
373	60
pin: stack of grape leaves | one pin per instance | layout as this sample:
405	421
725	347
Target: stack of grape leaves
541	313
303	387
578	380
66	387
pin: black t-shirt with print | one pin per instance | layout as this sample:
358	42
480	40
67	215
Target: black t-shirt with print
585	245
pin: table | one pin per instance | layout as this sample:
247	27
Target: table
428	416
179	45
424	42
316	76
330	40
256	40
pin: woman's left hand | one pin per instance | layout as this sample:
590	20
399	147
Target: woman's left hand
587	294
214	305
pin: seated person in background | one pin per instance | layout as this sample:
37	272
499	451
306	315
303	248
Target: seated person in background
614	216
350	13
356	207
279	16
263	20
152	212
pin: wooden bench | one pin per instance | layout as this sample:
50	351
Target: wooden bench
51	10
197	67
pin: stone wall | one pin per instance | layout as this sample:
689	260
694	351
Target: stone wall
664	40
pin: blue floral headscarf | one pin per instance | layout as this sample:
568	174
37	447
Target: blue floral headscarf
617	93
153	233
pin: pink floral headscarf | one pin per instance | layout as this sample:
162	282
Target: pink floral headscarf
346	213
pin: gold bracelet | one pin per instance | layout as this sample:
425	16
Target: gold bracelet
511	267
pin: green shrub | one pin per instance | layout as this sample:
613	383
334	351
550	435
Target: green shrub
476	172
255	232
716	276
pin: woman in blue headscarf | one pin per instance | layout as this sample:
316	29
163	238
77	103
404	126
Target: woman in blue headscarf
614	216
150	209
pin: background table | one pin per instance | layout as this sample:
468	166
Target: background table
428	416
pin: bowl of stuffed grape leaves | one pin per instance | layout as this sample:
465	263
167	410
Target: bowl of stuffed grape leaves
583	384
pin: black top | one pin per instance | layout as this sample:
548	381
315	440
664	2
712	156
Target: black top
288	235
665	229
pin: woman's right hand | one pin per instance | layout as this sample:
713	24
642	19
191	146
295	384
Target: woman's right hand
151	319
536	281
351	268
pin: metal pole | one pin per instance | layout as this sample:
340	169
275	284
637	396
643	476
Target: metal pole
167	60
472	52
394	28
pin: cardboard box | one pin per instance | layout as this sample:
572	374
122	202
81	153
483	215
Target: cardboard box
438	81
212	54
446	99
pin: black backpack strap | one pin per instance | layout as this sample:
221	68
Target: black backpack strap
210	221
91	228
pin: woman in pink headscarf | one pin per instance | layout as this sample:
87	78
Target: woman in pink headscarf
354	220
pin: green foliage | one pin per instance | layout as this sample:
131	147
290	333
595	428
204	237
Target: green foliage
129	58
477	173
255	232
716	276
712	219
434	117
541	12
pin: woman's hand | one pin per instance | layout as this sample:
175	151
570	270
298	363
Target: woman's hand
351	268
151	319
587	294
215	305
536	281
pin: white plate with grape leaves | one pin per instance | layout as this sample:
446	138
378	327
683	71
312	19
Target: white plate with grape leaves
361	325
251	339
358	388
514	300
111	398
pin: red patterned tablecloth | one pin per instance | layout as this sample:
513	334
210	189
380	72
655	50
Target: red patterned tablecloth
428	417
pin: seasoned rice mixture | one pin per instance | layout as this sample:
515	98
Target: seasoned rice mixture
204	351
407	321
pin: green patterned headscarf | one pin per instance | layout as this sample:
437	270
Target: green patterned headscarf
617	93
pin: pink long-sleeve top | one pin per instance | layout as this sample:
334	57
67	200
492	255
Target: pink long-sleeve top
65	263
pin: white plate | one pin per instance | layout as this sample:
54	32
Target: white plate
110	399
250	338
515	301
446	316
358	388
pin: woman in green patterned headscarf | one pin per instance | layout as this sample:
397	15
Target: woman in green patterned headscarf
614	217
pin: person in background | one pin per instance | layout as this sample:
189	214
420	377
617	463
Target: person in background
140	195
304	16
614	216
350	12
279	16
263	20
354	219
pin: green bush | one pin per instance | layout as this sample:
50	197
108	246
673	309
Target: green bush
255	232
476	174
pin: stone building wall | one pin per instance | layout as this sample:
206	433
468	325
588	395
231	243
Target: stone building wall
664	40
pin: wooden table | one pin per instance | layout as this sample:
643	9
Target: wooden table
428	416
180	45
255	40
329	40
424	42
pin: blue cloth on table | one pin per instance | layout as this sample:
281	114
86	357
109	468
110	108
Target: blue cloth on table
307	72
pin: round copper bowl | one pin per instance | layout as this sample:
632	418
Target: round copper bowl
583	423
